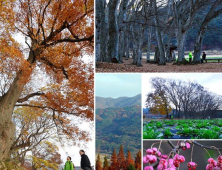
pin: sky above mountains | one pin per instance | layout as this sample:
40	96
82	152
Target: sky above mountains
117	85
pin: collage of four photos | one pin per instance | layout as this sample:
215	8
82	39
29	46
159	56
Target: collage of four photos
110	85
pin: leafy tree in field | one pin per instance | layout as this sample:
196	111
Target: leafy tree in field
105	164
121	158
98	163
48	72
131	167
159	103
45	156
138	160
113	160
119	161
129	160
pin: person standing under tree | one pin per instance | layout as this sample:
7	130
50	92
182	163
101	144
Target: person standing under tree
85	162
69	165
203	57
190	56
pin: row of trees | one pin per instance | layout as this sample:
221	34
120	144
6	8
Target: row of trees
44	85
188	99
127	25
119	161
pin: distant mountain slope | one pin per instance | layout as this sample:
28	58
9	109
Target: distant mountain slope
102	103
115	126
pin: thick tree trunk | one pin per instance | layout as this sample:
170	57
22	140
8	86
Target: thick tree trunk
121	46
149	44
137	44
7	104
127	45
159	37
198	47
98	28
199	40
103	32
121	26
181	38
113	32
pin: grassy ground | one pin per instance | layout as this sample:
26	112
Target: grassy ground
147	67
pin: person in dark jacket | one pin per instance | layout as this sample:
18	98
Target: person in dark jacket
203	57
85	162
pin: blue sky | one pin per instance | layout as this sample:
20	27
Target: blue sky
117	85
211	81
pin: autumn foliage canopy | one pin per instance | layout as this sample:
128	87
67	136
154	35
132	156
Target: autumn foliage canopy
46	70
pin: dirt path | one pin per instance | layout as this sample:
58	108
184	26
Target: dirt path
147	67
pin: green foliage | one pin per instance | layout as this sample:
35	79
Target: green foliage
169	122
167	132
195	129
131	167
186	131
118	125
151	133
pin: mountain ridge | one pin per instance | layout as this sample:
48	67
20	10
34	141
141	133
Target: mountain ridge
109	102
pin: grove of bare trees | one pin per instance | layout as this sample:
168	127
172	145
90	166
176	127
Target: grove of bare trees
188	99
129	28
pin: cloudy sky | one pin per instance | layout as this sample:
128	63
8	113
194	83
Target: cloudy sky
117	85
211	81
88	147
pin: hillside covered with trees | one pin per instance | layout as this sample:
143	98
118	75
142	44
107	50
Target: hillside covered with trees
115	126
119	102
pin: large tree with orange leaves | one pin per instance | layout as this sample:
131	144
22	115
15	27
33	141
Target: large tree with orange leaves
129	160
113	165
98	163
138	160
46	71
121	158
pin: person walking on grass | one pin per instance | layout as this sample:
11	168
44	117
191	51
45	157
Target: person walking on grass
85	162
190	57
69	165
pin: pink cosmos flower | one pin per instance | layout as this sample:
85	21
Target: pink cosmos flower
158	153
187	145
145	160
162	164
192	165
151	158
148	168
149	151
154	149
209	167
164	156
212	161
171	163
180	158
160	167
219	159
